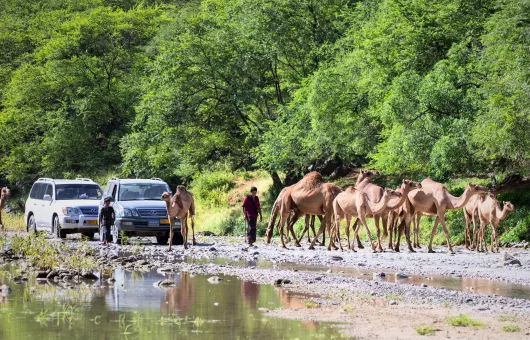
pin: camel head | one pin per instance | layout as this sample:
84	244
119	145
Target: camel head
508	206
391	193
370	174
477	189
166	196
408	185
5	192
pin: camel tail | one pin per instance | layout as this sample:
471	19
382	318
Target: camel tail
274	215
192	210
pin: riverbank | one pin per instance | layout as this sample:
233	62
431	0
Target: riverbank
376	295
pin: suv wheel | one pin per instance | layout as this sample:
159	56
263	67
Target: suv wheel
177	238
162	240
32	225
56	228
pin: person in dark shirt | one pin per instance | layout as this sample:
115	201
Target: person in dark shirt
106	219
251	209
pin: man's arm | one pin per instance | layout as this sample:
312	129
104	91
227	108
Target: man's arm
244	210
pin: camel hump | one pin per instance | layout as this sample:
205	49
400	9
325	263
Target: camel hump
311	180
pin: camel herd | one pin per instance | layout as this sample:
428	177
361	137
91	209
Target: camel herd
396	210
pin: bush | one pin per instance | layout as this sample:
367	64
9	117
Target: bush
212	187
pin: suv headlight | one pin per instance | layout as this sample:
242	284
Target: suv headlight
128	212
71	211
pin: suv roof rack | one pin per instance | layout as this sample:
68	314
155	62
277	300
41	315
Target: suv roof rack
45	179
156	179
84	179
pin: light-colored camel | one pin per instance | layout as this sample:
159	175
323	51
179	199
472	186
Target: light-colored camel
433	199
489	210
311	196
180	205
470	213
356	203
3	196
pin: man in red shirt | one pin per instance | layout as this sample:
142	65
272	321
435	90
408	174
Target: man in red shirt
251	209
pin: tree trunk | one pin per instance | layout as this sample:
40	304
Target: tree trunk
511	183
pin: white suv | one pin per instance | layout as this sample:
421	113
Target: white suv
63	206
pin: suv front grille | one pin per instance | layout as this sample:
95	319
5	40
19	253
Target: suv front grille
156	212
89	210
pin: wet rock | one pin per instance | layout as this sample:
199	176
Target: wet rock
89	276
337	258
166	283
513	262
4	289
379	274
468	300
328	271
111	280
215	279
263	309
212	249
279	282
207	233
401	276
52	274
423	285
392	302
166	269
67	278
41	274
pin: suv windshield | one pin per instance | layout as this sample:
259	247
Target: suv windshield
77	192
142	191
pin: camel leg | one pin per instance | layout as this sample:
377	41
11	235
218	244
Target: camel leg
475	230
171	219
320	230
447	237
407	236
331	230
339	218
466	231
184	231
359	243
378	231
194	242
417	229
306	229
390	230
347	231
290	227
284	217
384	219
404	227
363	221
433	232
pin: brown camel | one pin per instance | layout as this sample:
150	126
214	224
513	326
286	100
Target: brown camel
180	205
470	212
489	210
3	196
311	196
356	203
433	199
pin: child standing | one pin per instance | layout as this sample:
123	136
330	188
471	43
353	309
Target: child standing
106	219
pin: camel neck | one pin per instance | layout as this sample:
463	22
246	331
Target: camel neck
378	207
460	202
501	213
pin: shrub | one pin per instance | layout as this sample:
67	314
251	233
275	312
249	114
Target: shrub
212	187
463	320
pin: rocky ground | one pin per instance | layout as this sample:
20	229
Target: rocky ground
348	287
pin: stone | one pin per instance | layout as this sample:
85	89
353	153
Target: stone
166	283
337	258
213	249
41	274
89	276
379	274
401	276
215	279
423	285
392	302
506	256
52	274
514	262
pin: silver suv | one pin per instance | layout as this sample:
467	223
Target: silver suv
140	210
63	206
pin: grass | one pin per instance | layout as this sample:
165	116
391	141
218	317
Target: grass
13	222
463	320
506	318
511	328
395	297
310	304
348	308
364	298
424	330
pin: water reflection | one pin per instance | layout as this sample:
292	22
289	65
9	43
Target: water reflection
132	308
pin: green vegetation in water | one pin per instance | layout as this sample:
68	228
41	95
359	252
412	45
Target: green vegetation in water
310	304
511	328
463	320
425	330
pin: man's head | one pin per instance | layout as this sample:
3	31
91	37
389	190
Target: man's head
253	191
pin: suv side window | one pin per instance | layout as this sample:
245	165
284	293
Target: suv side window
49	191
37	191
114	190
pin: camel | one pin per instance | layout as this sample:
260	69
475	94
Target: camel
489	210
433	199
353	202
470	212
180	205
3	196
311	196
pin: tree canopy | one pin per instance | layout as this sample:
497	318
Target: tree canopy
173	88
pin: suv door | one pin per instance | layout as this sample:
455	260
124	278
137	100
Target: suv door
36	194
47	208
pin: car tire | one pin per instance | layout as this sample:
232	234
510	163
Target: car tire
177	238
32	225
57	231
162	240
90	235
